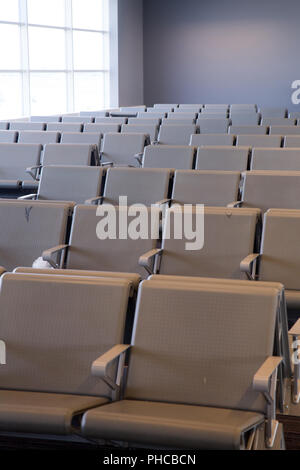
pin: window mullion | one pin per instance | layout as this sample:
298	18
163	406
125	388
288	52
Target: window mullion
69	56
24	45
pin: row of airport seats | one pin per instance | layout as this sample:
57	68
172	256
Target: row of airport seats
213	387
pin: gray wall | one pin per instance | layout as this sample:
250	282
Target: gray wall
130	52
233	51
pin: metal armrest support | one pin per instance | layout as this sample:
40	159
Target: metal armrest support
28	197
100	366
2	353
265	381
235	204
139	158
47	254
33	173
145	260
248	265
295	333
94	200
163	202
2	270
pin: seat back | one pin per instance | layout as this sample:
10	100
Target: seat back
265	141
285	130
280	249
36	137
8	137
271	189
197	140
102	128
212	188
229	236
222	158
15	158
178	121
246	130
28	228
273	112
149	129
4	125
176	134
65	126
213	126
142	121
140	185
60	324
111	120
189	115
278	121
247	119
45	119
68	154
87	251
92	138
154	114
120	149
213	363
70	183
276	159
77	119
292	141
179	157
27	126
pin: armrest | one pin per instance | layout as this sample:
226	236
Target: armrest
106	164
248	265
261	381
155	142
33	173
139	157
235	204
2	353
100	365
163	201
145	260
94	200
47	254
28	197
265	381
295	332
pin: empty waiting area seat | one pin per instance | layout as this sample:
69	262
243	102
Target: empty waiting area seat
259	140
213	126
92	138
111	120
199	396
39	137
285	130
198	140
122	149
212	188
178	157
68	183
183	115
77	119
244	130
45	119
65	127
27	126
287	159
292	141
29	228
8	137
223	158
273	112
14	159
68	154
176	134
46	389
102	128
4	125
149	129
277	121
248	119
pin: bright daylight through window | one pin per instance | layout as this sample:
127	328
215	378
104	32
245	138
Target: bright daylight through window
54	56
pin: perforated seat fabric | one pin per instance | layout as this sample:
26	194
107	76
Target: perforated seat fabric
46	413
28	228
179	426
70	183
222	158
67	154
212	188
179	157
140	185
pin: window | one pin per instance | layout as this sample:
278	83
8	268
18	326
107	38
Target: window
54	56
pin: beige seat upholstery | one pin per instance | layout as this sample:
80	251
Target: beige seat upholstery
178	157
28	228
62	324
176	134
287	159
222	158
65	126
122	149
285	130
229	237
183	392
8	137
198	140
69	183
140	185
271	189
212	188
87	251
27	126
213	126
246	130
39	137
266	141
149	129
14	159
68	154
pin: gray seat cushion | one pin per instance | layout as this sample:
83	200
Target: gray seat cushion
170	424
42	412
